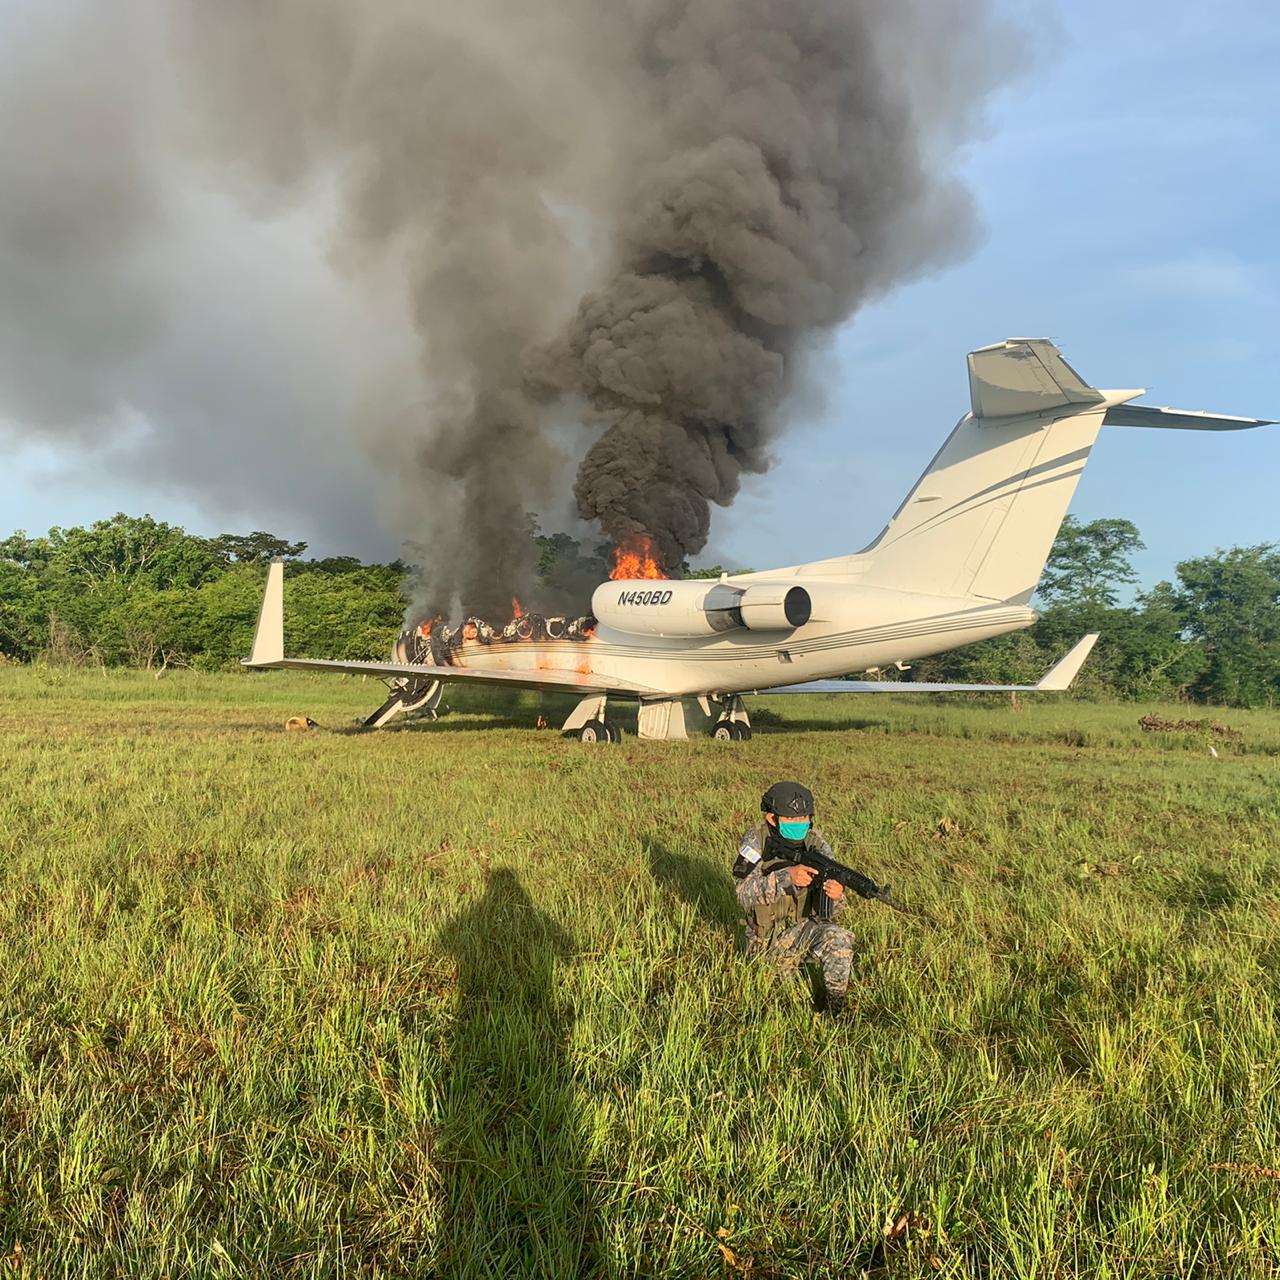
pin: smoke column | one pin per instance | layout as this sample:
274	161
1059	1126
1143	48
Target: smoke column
794	179
532	214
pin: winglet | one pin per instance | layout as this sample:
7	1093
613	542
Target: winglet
1065	671
268	639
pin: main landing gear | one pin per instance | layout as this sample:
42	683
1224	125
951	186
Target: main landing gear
733	724
659	720
407	697
588	722
599	731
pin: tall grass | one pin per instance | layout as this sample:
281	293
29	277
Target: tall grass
465	1000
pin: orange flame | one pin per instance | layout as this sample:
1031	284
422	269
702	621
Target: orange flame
470	631
636	558
516	611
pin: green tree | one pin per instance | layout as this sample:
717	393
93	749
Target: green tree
147	628
1090	562
565	573
29	553
1141	652
129	549
714	571
349	615
1229	605
252	548
1015	658
228	615
138	591
24	620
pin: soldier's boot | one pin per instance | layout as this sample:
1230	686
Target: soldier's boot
817	989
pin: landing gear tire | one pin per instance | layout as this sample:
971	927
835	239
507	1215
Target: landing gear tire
731	731
615	734
595	731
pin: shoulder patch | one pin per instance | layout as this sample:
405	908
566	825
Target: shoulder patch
749	849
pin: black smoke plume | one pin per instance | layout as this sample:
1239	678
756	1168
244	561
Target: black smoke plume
532	214
793	179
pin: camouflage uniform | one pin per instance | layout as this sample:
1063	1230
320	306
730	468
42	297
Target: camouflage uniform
794	926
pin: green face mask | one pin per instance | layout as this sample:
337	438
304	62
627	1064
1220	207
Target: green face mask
793	830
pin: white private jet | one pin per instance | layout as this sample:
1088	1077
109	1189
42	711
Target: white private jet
958	563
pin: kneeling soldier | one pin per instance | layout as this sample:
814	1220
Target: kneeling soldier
785	918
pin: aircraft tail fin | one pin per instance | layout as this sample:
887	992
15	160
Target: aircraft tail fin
981	520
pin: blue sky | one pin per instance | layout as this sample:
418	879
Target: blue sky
1130	187
1130	192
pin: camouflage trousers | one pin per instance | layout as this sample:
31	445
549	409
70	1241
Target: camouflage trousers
817	942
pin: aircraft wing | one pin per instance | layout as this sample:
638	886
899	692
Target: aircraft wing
1057	678
268	652
570	681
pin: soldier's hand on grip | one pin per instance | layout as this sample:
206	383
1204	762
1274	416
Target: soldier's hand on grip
801	876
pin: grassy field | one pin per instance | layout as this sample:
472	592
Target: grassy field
464	999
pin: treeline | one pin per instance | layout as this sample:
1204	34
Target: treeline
1211	635
134	591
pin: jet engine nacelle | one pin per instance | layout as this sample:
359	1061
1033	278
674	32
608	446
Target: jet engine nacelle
689	609
775	607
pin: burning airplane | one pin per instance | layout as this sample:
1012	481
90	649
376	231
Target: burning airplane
958	563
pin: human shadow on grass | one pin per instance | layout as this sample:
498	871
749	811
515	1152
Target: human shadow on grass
704	886
516	1202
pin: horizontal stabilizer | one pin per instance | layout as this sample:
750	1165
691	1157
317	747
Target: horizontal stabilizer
1058	678
1149	415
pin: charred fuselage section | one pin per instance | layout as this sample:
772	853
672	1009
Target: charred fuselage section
434	643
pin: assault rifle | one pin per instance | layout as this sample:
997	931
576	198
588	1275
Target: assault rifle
863	886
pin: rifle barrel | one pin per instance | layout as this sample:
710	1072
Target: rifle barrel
863	885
